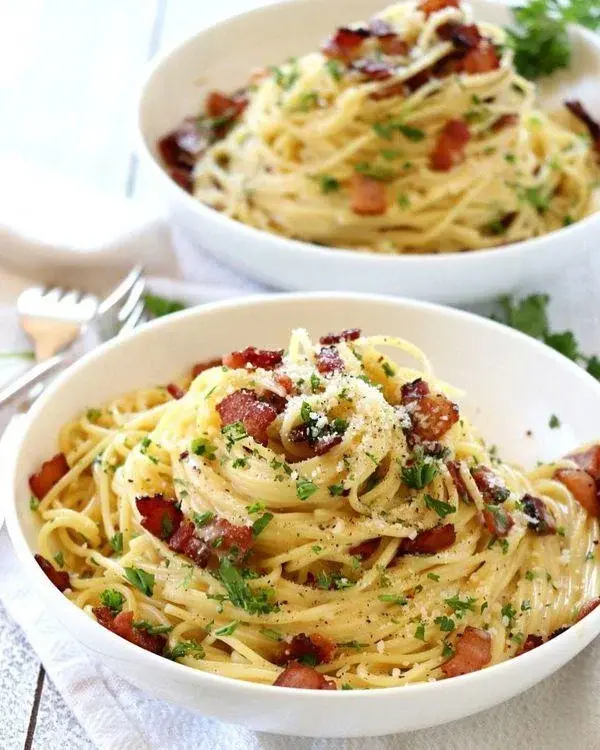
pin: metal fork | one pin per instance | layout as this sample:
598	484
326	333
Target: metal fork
55	319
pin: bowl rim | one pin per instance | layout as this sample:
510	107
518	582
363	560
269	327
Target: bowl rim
314	251
584	630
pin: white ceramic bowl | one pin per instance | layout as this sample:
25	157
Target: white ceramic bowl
221	57
512	384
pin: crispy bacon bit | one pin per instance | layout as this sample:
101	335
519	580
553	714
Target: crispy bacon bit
450	147
233	408
505	121
185	541
497	521
465	36
583	488
393	45
301	676
373	70
182	147
202	366
578	110
396	89
588	460
433	6
274	399
258	419
175	391
313	649
231	536
365	549
268	359
368	196
59	578
160	516
218	104
284	381
350	334
481	59
540	519
345	44
414	391
454	469
429	542
49	474
122	625
419	79
433	416
328	360
491	486
586	608
473	652
319	446
531	642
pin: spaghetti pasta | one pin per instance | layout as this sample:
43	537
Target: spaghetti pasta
410	134
324	509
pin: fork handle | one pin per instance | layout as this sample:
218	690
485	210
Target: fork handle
28	379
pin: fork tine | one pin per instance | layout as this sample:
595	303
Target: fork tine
121	291
133	319
132	301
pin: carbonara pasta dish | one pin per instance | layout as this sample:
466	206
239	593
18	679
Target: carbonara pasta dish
320	517
411	133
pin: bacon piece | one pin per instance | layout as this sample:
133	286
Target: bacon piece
328	360
183	177
345	44
497	521
175	391
532	641
315	649
588	460
393	45
490	485
301	676
257	420
231	536
481	59
464	36
60	578
414	391
419	79
285	382
50	473
450	147
473	652
454	469
268	359
349	334
182	147
583	488
433	416
122	625
578	110
374	70
586	608
541	520
185	541
218	104
433	6
275	400
160	516
365	549
233	408
396	89
302	434
429	542
505	121
368	196
202	366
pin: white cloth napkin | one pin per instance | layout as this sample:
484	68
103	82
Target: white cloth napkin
562	712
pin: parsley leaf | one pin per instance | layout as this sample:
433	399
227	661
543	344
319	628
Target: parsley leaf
112	599
185	648
328	184
141	580
393	599
201	519
419	474
305	488
116	542
441	508
261	523
159	306
240	594
202	446
459	607
446	623
228	629
553	422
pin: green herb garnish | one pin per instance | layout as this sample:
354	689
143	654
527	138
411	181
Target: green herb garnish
140	579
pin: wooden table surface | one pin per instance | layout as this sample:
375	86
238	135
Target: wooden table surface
69	73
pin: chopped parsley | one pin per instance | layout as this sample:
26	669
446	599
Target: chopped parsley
306	101
274	635
420	473
509	612
185	648
34	503
553	422
460	607
59	559
386	130
525	605
116	542
286	78
239	593
447	651
389	154
228	629
433	577
393	599
202	446
112	599
446	624
328	184
315	383
336	489
375	171
420	631
403	201
93	415
441	508
316	549
529	575
257	507
535	197
234	432
240	463
388	370
305	489
261	523
152	629
141	580
335	69
201	519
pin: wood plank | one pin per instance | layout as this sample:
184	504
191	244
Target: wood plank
57	728
18	679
